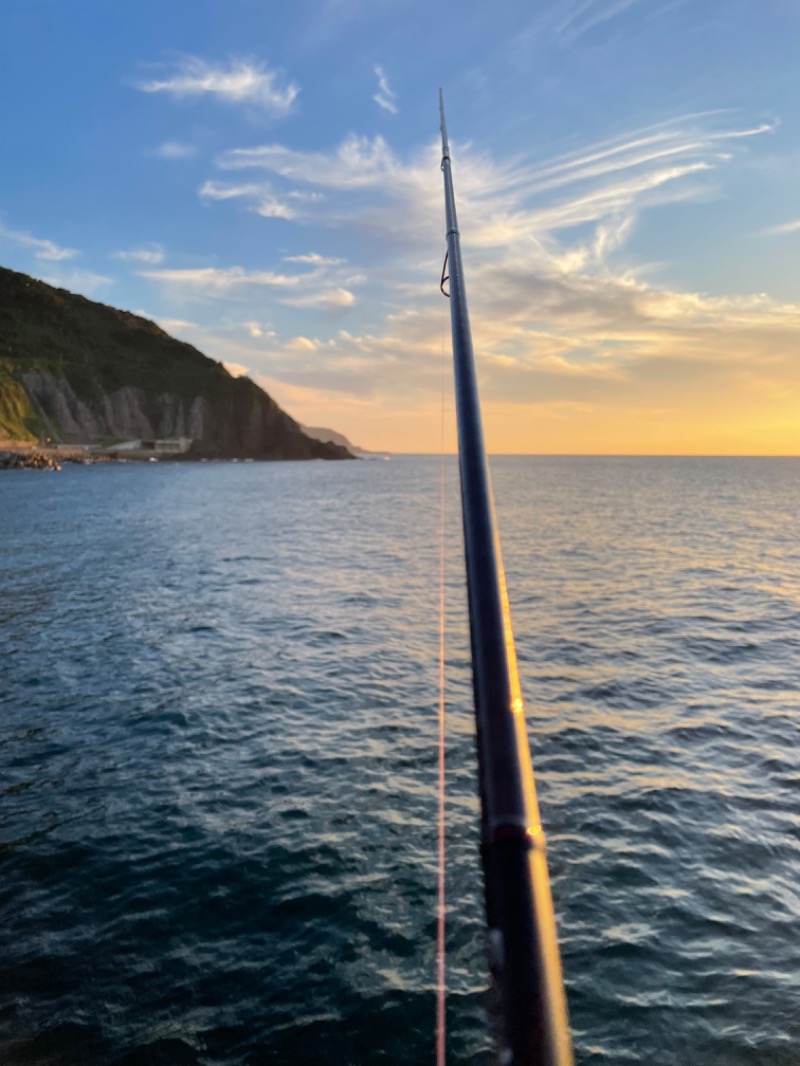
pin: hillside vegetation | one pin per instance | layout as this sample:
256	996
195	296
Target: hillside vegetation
81	372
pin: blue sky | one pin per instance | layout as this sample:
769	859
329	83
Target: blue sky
262	179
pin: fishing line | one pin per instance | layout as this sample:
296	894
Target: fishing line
441	962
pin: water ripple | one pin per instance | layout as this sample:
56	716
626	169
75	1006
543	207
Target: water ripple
218	771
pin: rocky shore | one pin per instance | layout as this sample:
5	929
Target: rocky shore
22	456
29	460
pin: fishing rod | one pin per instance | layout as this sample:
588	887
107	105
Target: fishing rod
523	949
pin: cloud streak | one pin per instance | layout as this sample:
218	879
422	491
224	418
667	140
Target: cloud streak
358	162
385	97
242	81
42	249
583	15
366	185
263	200
326	299
151	253
784	229
564	317
314	289
313	259
220	282
174	150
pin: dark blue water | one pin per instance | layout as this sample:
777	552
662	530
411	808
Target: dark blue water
218	692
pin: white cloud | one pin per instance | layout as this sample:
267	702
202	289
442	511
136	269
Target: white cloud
236	370
174	150
219	190
784	229
605	185
304	194
357	163
326	299
173	325
259	329
150	253
313	259
314	288
42	249
271	207
561	311
265	203
219	282
302	344
385	97
242	81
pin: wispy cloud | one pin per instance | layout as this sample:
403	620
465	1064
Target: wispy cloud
219	190
215	281
313	259
606	184
784	229
150	253
579	16
302	344
272	207
356	163
314	289
563	315
264	202
242	81
174	150
385	97
568	24
259	329
325	299
42	248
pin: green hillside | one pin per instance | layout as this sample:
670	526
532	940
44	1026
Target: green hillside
71	368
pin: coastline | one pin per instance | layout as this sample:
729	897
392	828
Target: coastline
26	455
23	455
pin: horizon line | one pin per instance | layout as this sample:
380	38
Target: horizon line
602	455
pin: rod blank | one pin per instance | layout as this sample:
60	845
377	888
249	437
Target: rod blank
519	909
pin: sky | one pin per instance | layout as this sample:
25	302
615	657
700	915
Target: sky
262	179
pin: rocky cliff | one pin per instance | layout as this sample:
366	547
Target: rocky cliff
80	372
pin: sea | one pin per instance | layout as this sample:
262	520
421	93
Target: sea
218	764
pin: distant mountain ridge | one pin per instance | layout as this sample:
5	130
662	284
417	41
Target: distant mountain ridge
82	372
331	436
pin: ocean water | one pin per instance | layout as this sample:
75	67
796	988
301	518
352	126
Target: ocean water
218	689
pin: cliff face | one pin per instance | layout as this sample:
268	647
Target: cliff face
81	372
